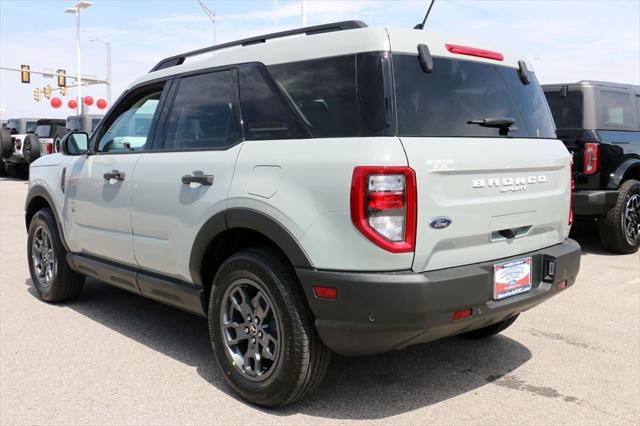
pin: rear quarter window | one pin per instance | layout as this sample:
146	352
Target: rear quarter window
616	111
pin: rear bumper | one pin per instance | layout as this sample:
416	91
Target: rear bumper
377	312
15	158
593	203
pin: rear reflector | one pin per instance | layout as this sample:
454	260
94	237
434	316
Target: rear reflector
322	292
474	51
562	285
458	315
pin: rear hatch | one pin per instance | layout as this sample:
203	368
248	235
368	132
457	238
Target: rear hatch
482	194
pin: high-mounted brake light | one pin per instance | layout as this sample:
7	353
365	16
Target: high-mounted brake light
591	158
474	51
384	206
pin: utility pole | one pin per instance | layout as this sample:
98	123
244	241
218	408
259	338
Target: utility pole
211	16
108	45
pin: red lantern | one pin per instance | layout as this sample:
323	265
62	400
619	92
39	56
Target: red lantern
101	103
88	100
56	102
73	104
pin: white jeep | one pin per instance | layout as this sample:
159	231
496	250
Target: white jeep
333	188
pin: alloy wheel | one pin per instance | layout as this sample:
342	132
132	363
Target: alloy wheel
43	255
631	219
250	329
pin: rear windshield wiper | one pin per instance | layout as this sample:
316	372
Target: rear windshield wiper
505	124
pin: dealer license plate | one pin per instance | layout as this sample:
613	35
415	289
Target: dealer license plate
511	278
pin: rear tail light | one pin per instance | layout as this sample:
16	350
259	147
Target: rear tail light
591	158
49	148
573	187
17	143
383	206
474	51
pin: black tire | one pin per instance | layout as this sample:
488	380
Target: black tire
302	359
612	225
64	283
31	148
3	168
490	330
6	145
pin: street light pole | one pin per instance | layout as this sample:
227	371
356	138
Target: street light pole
76	11
108	45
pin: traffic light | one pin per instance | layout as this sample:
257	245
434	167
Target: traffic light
63	91
25	75
62	78
36	95
47	91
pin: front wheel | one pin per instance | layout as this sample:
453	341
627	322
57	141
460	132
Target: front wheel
620	227
262	331
52	277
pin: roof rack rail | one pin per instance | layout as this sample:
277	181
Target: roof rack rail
172	61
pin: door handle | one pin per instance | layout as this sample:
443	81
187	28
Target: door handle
198	176
114	174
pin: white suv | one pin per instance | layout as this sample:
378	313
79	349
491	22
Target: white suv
334	188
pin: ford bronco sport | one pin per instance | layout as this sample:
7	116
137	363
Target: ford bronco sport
333	188
599	122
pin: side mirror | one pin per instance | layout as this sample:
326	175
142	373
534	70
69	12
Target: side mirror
75	143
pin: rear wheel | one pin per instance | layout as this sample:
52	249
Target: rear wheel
620	227
52	277
262	331
490	330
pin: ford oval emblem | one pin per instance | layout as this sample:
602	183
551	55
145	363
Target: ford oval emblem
440	222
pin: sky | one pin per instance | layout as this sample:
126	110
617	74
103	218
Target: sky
566	40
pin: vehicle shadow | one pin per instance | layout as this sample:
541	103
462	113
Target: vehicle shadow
364	388
585	232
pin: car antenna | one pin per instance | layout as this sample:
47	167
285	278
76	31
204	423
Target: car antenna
420	26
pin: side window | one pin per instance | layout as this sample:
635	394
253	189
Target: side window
128	130
616	111
267	112
204	113
324	90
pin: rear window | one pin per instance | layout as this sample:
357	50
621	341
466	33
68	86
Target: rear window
567	111
441	103
616	110
43	130
31	126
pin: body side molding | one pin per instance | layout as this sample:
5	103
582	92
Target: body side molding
40	191
246	219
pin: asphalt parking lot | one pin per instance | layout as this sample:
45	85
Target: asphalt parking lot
115	358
